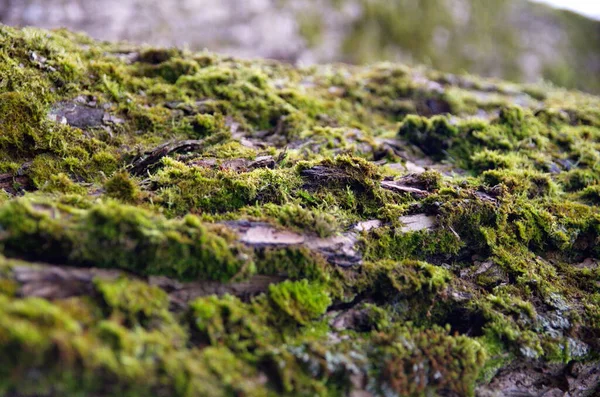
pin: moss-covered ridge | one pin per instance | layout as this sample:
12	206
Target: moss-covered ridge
179	223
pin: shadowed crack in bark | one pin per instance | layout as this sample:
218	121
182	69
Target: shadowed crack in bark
60	282
182	293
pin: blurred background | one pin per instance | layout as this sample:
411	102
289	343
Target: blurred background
519	40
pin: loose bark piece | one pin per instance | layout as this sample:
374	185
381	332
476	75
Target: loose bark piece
265	235
414	223
587	263
263	162
549	380
78	115
399	188
367	226
320	175
338	250
148	160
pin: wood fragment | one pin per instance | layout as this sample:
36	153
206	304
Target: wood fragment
399	188
339	250
415	223
146	162
367	226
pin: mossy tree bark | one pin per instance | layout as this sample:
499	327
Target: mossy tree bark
177	223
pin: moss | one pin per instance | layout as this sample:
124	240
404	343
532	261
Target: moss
432	136
20	118
199	189
530	183
393	243
114	235
105	162
206	124
293	262
495	160
507	273
592	194
245	90
418	362
8	287
300	301
227	321
171	70
63	184
576	180
135	298
346	182
122	187
406	279
323	224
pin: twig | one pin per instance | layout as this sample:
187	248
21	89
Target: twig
149	160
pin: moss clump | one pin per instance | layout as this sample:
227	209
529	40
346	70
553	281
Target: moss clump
323	224
122	187
20	118
439	362
227	321
183	188
117	236
300	300
432	136
135	298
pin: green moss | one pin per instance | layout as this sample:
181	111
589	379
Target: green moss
293	263
576	180
398	280
135	298
323	224
205	190
20	118
507	273
530	183
245	90
122	187
495	160
393	243
438	360
432	136
227	321
171	70
105	162
62	183
114	235
300	301
592	194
